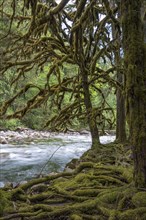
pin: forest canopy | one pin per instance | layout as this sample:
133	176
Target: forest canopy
56	55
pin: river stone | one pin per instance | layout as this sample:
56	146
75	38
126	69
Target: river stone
3	140
67	169
39	188
8	185
72	164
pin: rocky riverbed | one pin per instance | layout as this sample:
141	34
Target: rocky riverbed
22	136
25	135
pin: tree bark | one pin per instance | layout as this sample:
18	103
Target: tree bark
135	65
120	99
120	114
90	116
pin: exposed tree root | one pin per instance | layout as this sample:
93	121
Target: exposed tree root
95	189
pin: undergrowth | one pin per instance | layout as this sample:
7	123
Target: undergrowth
99	188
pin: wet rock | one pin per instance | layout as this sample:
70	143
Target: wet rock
72	164
22	135
3	140
8	185
23	182
67	169
19	129
15	185
84	132
39	188
52	173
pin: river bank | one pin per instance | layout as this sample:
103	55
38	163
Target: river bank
100	187
28	151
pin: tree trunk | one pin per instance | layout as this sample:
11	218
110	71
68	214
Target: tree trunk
90	116
134	53
120	99
120	114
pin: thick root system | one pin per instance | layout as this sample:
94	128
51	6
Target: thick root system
100	187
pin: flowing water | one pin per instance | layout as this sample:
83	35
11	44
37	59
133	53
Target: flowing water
19	162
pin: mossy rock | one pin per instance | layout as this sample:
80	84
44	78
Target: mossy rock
139	199
72	164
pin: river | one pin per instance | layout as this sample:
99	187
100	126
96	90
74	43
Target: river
19	162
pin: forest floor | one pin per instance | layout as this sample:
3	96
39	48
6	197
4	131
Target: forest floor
99	186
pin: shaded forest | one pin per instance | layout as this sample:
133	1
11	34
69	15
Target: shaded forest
72	65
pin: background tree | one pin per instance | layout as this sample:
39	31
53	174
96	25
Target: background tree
120	99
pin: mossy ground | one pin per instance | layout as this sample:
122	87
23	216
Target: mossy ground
99	188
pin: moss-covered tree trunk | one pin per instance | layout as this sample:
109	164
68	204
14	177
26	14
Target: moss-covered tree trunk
90	116
135	88
85	73
120	99
120	114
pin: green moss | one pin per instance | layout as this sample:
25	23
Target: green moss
30	208
87	192
109	180
139	199
18	194
127	173
113	215
5	203
66	184
76	217
92	191
40	197
82	178
84	165
111	197
143	217
133	214
126	200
